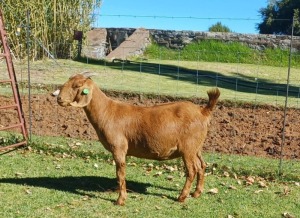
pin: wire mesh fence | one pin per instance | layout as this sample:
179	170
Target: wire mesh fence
249	119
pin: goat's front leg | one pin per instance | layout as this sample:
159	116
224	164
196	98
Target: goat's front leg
120	159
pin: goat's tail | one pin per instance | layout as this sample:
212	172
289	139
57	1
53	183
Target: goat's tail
213	96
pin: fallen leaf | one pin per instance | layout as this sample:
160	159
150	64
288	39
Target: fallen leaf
262	184
29	148
286	190
132	164
250	179
28	192
232	187
85	198
288	215
96	165
239	182
18	174
65	155
171	169
157	207
226	174
235	176
297	183
230	216
170	178
213	191
158	173
78	144
258	191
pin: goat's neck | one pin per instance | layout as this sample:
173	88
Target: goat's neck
98	106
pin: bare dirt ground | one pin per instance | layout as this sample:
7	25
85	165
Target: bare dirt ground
235	129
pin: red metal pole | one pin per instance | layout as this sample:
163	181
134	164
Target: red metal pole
13	81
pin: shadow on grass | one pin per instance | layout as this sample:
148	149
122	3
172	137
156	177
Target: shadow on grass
238	82
82	184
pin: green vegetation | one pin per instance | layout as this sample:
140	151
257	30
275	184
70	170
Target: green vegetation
278	17
217	51
59	177
9	138
219	27
52	24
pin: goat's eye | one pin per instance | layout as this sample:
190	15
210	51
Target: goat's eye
76	86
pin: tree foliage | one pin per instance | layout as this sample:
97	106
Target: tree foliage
52	23
219	27
278	17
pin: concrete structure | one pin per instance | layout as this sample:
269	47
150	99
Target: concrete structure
133	45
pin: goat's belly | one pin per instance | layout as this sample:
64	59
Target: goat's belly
154	154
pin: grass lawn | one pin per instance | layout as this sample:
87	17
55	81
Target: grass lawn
59	177
237	82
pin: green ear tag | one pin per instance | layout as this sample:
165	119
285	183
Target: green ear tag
85	91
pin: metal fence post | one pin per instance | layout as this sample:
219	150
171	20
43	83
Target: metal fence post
286	100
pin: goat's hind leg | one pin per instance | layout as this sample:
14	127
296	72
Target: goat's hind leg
201	166
191	171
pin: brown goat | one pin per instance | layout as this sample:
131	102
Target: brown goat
158	132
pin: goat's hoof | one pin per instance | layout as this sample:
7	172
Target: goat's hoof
181	198
120	202
196	194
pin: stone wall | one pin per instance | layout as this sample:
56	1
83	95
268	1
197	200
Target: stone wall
101	42
178	39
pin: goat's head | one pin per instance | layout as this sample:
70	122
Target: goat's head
77	91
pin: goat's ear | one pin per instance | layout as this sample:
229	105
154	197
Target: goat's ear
87	74
83	98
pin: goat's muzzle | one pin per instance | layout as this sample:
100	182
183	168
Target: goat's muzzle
61	102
